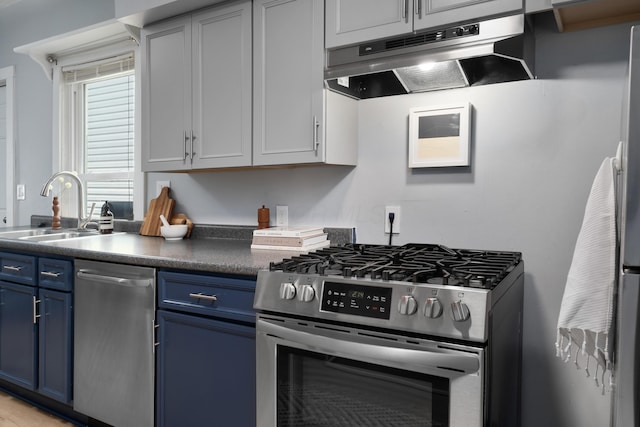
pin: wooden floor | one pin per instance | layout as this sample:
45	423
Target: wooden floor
16	413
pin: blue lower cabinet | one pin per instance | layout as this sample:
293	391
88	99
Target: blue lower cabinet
205	372
36	329
18	344
55	338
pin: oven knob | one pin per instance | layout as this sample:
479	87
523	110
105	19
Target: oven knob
307	293
432	308
459	311
407	305
287	290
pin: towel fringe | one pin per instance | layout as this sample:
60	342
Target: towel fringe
579	347
566	351
598	348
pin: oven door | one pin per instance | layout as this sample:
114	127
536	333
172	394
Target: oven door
318	375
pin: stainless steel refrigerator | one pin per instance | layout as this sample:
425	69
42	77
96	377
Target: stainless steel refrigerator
627	390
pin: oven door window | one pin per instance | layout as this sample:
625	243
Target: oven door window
316	390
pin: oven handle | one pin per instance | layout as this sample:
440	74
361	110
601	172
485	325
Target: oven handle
462	363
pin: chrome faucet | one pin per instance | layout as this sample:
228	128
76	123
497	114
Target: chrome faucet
82	220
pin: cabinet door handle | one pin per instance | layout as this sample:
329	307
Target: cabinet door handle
50	274
417	5
12	268
154	334
35	310
316	132
405	5
191	138
205	297
184	156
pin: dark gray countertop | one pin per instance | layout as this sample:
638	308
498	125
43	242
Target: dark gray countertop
208	254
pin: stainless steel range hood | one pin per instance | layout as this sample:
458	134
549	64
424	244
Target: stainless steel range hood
470	54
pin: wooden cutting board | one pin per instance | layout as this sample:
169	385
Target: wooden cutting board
162	204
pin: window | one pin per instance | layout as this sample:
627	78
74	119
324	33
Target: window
98	112
108	165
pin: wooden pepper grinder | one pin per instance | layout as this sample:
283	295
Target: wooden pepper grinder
55	221
263	217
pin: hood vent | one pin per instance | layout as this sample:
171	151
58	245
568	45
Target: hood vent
493	51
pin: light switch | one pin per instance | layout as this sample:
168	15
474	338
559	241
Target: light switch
21	192
282	215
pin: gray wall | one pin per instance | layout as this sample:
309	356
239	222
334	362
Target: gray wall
22	23
536	147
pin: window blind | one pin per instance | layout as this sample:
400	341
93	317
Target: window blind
109	139
109	109
97	69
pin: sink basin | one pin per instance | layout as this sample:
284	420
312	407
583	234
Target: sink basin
47	235
56	236
17	234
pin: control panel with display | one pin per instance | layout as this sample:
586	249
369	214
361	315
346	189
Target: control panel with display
359	300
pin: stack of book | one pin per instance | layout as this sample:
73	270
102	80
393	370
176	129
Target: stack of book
290	238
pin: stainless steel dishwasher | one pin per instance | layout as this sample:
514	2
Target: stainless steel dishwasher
114	308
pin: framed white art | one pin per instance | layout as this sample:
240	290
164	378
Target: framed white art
439	136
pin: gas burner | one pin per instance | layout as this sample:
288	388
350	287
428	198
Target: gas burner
415	263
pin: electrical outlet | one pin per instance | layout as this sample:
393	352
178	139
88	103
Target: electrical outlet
21	192
282	215
396	219
161	184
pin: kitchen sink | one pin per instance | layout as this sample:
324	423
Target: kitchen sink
47	235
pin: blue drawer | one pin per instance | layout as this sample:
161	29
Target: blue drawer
214	296
55	274
18	268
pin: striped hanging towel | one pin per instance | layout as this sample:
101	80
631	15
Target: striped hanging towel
586	314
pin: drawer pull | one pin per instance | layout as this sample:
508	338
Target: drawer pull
12	268
205	297
50	274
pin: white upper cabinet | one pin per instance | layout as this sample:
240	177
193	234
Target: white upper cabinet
289	102
356	21
222	87
166	95
196	91
221	91
142	12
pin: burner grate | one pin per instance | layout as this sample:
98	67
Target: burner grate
416	263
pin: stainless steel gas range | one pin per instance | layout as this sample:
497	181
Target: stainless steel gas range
413	335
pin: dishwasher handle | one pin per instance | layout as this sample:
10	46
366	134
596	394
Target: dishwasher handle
114	280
